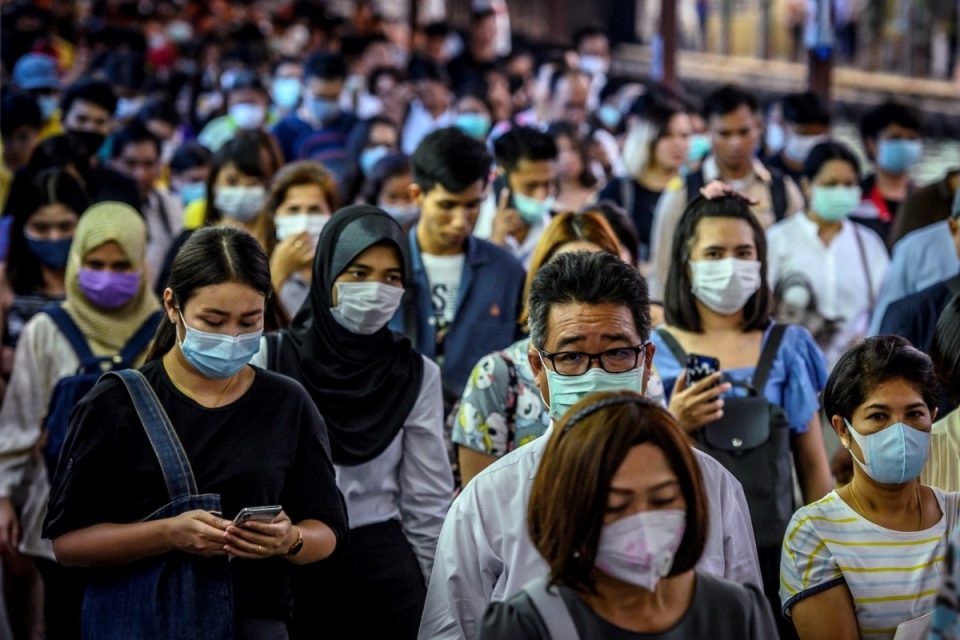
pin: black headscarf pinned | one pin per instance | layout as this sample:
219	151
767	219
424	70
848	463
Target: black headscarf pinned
363	385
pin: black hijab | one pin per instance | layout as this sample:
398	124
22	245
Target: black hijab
363	385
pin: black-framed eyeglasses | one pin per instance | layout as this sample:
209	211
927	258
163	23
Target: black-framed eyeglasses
577	363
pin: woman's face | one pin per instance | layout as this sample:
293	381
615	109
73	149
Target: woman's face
380	263
836	173
51	222
569	162
108	257
383	135
396	191
304	198
890	402
643	482
229	308
671	150
720	238
231	176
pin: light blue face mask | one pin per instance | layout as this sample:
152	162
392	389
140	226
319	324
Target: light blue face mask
894	455
532	210
475	125
610	116
566	391
897	156
192	191
325	111
216	355
286	92
699	147
834	203
370	156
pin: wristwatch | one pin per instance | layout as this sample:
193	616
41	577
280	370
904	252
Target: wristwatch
296	546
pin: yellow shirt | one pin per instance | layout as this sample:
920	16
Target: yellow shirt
943	466
194	214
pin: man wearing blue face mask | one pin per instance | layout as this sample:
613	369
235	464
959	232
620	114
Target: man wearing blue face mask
319	115
528	160
806	123
891	135
589	331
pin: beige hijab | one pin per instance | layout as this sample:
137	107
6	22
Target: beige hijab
108	330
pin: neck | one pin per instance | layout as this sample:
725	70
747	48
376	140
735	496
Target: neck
431	247
657	177
729	172
713	322
53	281
884	498
638	609
188	378
893	185
826	230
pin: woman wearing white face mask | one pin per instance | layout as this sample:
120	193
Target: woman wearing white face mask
388	188
716	306
302	197
619	513
868	558
826	269
382	402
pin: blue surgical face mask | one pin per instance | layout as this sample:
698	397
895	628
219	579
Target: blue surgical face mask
699	147
894	455
192	191
322	109
566	391
48	105
370	156
286	92
610	116
897	156
532	210
475	125
52	254
216	355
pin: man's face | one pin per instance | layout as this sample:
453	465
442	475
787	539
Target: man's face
570	100
19	145
534	178
597	46
87	116
734	136
446	218
589	328
324	89
140	161
484	31
891	132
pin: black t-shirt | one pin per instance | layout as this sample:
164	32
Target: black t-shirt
642	205
269	447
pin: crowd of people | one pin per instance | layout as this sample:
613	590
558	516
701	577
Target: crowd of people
316	326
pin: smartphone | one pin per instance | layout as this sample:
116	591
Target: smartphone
699	367
257	514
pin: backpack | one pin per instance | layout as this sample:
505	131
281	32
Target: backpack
752	440
778	190
70	389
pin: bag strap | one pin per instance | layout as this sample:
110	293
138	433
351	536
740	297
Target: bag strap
177	473
274	341
70	330
513	391
866	269
778	194
767	356
552	609
694	183
138	341
628	194
674	346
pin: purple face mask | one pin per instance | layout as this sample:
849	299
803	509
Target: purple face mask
109	289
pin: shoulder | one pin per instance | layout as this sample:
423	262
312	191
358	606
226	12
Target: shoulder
783	229
727	595
510	471
714	473
515	618
499	256
917	241
431	372
805	521
275	383
798	342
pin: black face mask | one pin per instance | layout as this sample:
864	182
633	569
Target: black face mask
87	142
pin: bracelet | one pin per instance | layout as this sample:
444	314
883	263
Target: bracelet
297	546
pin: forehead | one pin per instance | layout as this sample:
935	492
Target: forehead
89	109
311	192
740	117
722	232
645	465
894	393
472	192
533	169
226	296
139	149
108	251
591	321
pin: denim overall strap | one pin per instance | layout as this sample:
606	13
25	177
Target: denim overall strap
177	473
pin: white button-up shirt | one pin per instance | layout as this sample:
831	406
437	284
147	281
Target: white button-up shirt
485	554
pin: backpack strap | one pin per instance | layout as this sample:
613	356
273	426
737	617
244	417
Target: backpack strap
552	609
513	392
138	341
767	356
694	183
71	331
177	473
628	194
274	341
871	294
778	194
674	346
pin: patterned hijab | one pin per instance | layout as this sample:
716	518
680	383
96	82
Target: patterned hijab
106	330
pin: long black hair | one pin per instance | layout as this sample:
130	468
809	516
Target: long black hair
212	255
680	307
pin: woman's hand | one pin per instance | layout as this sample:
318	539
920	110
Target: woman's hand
257	540
289	256
718	189
9	527
198	532
699	404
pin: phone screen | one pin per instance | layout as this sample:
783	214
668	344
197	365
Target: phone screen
699	367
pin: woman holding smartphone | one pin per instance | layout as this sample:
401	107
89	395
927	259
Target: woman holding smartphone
251	437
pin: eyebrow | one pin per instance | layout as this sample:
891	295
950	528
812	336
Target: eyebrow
609	337
736	248
877	405
360	265
656	487
245	314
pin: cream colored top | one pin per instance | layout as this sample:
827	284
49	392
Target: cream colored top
943	466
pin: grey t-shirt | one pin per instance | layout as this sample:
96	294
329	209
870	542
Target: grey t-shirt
720	610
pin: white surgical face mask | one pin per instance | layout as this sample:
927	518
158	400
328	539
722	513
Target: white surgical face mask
248	115
405	215
724	285
639	549
797	147
365	307
297	223
240	203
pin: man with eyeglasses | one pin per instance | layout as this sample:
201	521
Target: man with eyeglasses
589	331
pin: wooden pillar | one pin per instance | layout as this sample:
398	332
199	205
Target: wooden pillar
820	57
668	35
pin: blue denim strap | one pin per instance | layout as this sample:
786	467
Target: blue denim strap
177	473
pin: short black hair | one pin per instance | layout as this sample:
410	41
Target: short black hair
886	114
133	133
98	92
450	158
871	363
583	33
159	109
437	29
188	156
680	307
945	349
421	68
824	153
18	109
523	143
125	69
480	14
247	80
587	278
805	108
325	66
728	99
